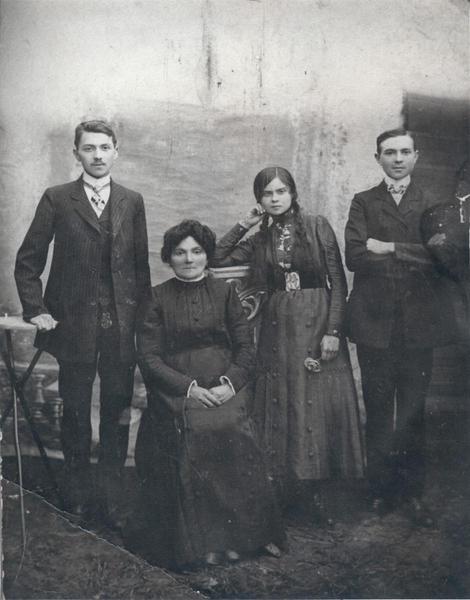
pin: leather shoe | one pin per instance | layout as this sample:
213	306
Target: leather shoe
380	506
114	520
321	512
232	555
272	550
78	510
212	559
418	513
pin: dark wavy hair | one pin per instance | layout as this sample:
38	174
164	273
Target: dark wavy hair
391	133
97	126
265	177
301	255
203	235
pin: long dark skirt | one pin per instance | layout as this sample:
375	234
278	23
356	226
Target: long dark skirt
204	486
308	422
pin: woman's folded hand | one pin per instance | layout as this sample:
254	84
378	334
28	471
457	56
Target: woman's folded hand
222	392
206	397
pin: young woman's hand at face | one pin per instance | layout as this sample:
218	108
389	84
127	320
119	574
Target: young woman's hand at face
252	217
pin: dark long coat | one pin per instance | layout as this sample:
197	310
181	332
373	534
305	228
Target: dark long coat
379	279
308	422
64	215
204	483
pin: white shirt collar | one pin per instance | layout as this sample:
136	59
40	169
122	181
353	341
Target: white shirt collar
405	181
190	280
99	183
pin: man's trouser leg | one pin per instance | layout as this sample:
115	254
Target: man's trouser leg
75	389
414	374
116	390
378	373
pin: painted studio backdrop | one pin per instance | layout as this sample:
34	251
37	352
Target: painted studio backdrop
205	93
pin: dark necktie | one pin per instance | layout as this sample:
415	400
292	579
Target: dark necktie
97	200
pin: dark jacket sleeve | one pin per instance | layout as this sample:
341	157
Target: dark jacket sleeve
230	250
151	349
413	254
358	258
243	355
141	253
335	274
31	259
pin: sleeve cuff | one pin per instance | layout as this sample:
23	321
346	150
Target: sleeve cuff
191	385
334	332
225	380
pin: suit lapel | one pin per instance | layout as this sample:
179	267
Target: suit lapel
118	206
82	205
408	201
389	206
398	212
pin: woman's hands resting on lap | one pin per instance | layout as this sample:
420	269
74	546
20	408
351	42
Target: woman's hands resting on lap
211	398
222	392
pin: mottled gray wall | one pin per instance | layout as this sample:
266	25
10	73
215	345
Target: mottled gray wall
204	93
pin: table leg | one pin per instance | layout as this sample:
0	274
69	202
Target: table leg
18	385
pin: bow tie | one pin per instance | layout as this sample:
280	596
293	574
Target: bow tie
397	189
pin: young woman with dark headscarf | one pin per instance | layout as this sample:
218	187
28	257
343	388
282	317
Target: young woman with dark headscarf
305	403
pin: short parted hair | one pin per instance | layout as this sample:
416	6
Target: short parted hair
265	177
391	133
203	235
97	126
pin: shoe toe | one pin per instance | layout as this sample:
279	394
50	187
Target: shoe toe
418	513
232	555
273	550
212	559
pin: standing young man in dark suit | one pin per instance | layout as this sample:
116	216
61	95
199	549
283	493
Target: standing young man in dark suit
98	278
394	320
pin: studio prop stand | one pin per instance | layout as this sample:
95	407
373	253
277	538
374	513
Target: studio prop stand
8	325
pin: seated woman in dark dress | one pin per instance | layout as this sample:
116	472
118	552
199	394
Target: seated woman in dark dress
205	491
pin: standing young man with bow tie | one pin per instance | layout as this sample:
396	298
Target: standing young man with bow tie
394	320
99	277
